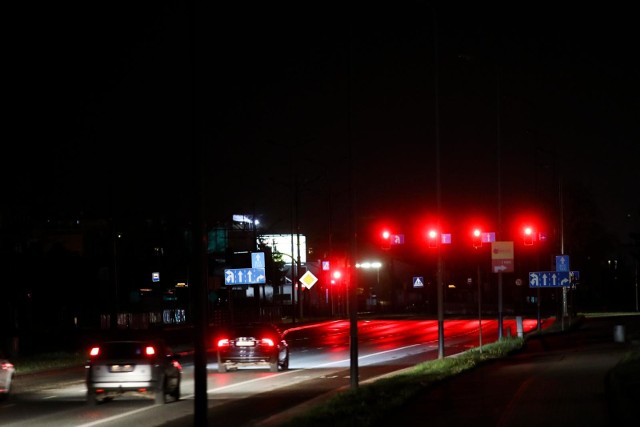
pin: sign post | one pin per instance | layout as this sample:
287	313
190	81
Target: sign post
501	262
562	264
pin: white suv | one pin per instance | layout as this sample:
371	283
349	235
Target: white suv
139	367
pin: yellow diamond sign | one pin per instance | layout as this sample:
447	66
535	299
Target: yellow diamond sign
308	280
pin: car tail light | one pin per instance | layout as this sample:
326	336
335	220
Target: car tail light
176	365
267	341
149	350
94	351
223	342
6	366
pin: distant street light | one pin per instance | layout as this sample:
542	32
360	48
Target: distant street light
369	264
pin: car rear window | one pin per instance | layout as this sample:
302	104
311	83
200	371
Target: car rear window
122	350
255	332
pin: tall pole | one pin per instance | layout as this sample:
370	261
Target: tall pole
499	161
439	284
564	288
293	272
294	275
352	283
330	211
115	236
479	308
199	245
298	260
637	285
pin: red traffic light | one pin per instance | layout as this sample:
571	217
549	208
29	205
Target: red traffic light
386	239
476	237
432	237
336	275
528	235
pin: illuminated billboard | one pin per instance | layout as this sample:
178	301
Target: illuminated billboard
282	243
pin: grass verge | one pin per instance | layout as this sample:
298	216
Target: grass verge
47	361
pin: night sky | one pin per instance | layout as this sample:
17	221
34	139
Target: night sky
102	109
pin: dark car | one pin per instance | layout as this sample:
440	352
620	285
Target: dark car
143	367
251	344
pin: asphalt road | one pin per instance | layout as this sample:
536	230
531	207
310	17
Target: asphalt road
320	366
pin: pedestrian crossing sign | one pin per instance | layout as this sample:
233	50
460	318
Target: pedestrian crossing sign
418	282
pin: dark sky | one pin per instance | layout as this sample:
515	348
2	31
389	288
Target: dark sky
102	107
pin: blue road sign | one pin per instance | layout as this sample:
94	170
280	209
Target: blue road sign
257	260
562	263
549	279
244	276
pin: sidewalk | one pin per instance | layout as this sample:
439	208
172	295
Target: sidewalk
558	379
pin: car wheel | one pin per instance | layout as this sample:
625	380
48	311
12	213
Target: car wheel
285	363
222	367
161	393
273	364
176	391
92	398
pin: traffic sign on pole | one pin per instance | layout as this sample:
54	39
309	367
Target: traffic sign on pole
418	282
244	276
308	280
562	263
502	257
549	279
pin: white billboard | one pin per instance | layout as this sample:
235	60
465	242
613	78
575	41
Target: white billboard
282	243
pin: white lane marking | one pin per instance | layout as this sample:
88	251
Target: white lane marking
117	417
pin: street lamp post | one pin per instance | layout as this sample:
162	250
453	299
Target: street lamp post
296	266
637	285
477	243
479	309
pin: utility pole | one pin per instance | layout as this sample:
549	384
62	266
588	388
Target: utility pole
198	242
499	161
439	274
352	277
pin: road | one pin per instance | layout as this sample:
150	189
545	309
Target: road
319	365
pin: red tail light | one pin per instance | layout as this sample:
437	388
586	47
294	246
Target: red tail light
223	342
94	351
268	342
6	366
149	350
